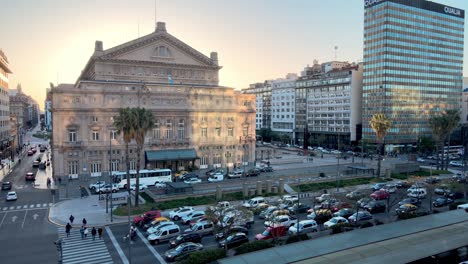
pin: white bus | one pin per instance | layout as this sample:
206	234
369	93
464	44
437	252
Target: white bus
454	150
147	177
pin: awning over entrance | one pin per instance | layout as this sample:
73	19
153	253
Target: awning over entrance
171	155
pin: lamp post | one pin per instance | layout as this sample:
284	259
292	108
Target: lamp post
111	178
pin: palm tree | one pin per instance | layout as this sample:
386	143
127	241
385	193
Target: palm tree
124	123
380	124
144	122
442	126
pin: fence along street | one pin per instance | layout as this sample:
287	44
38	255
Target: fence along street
77	250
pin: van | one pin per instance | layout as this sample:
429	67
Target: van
164	234
236	174
418	193
254	202
463	206
216	177
201	228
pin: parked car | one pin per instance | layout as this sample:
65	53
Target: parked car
271	232
236	174
442	201
178	213
186	219
216	177
454	195
432	180
231	230
30	176
323	197
97	185
303	227
154	229
146	217
6	185
182	251
376	207
320	215
299	208
164	234
30	153
402	184
202	228
442	189
380	195
410	200
11	196
266	169
280	220
360	216
254	202
378	186
354	194
334	221
362	202
160	185
141	187
252	173
406	208
419	159
456	163
233	241
418	193
184	238
156	221
263	214
345	212
188	177
390	188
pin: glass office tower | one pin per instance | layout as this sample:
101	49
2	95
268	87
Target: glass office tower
413	62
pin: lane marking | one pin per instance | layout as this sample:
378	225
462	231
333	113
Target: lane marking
5	208
50	204
38	205
18	207
3	219
31	206
117	246
12	207
24	220
25	206
151	248
44	205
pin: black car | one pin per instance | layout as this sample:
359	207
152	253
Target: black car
442	201
191	237
233	241
345	213
402	184
182	251
362	202
410	200
188	176
376	207
232	230
252	173
266	169
432	180
301	208
6	186
454	195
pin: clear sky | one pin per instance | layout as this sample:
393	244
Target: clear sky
51	40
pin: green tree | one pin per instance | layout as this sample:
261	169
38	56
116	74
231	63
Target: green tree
143	122
124	123
380	124
442	126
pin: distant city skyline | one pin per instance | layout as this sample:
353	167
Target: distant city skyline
51	41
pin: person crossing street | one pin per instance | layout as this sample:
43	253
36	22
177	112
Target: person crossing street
67	229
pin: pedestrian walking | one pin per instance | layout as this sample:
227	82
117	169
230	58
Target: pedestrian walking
60	180
67	229
84	221
82	229
81	191
86	232
71	218
93	233
100	232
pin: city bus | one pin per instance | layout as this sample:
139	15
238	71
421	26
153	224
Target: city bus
454	150
147	177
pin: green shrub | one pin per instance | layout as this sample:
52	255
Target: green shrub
297	238
399	176
332	184
252	246
205	256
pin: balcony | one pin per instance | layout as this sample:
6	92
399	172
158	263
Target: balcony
72	144
169	142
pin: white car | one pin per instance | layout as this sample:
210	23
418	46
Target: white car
97	185
108	188
180	212
323	197
187	218
456	163
11	196
160	185
281	220
141	187
420	160
155	228
305	226
334	221
192	181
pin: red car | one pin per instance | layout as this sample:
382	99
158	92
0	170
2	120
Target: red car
146	217
30	176
338	206
272	232
380	195
30	153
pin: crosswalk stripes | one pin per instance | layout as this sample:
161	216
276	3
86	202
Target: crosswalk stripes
26	206
77	250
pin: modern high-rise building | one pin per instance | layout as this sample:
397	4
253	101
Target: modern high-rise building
413	61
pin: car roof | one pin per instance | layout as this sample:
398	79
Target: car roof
13	192
6	182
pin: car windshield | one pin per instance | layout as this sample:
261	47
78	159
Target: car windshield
179	248
179	238
333	220
266	233
229	238
440	199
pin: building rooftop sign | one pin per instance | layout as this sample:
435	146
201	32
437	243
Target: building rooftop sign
422	4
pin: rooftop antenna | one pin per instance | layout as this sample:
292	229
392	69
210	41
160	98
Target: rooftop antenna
336	52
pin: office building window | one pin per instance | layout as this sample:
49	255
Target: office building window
73	167
71	135
95	167
113	134
204	132
230	132
95	135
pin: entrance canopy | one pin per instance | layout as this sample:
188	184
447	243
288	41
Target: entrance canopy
171	155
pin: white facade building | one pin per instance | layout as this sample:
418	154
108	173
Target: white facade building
283	105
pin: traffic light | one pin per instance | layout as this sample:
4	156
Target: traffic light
58	244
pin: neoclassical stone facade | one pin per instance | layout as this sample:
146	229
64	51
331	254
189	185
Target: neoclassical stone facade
197	122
